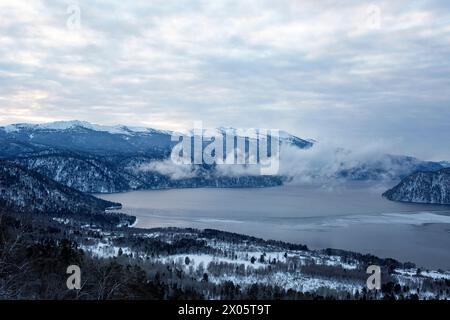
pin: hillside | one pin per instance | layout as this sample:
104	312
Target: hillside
23	190
423	187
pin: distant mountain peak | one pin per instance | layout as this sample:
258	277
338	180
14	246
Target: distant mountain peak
73	124
254	133
131	130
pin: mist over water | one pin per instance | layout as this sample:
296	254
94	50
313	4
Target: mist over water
354	217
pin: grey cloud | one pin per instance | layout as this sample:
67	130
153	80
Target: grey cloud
313	68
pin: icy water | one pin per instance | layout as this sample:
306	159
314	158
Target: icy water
356	218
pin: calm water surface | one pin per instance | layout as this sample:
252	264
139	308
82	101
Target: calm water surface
354	218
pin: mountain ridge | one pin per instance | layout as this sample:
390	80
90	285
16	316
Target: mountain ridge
23	190
82	136
431	187
105	159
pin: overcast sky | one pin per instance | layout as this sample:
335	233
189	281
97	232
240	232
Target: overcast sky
345	72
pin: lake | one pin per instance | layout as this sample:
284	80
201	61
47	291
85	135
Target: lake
354	217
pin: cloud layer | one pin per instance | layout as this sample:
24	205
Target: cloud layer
351	74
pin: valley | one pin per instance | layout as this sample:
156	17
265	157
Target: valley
108	200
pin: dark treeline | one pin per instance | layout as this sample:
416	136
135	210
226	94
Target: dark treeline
35	252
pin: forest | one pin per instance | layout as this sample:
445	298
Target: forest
120	262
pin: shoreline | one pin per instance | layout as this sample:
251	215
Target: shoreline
366	233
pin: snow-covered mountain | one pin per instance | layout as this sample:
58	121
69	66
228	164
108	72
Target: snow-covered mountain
23	190
283	136
18	139
102	159
69	125
81	172
93	174
81	136
445	164
423	187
